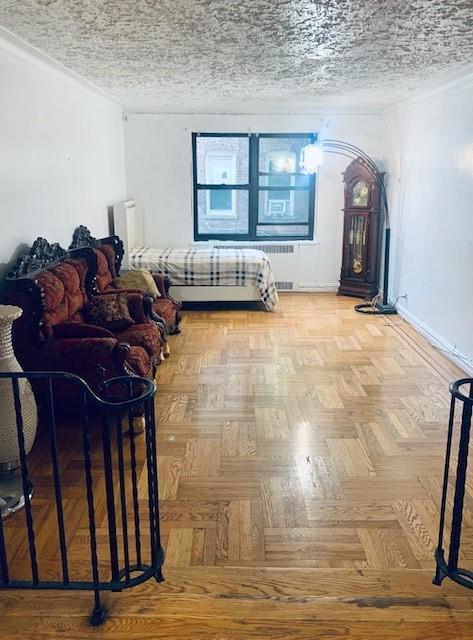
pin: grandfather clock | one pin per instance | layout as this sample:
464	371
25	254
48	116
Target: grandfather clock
362	227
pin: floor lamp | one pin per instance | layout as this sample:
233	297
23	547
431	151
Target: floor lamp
312	157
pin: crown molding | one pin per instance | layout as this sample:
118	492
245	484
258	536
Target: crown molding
317	113
16	47
460	79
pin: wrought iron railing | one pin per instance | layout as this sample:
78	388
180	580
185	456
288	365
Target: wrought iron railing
462	394
117	483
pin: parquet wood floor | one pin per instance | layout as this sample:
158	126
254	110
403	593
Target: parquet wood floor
300	463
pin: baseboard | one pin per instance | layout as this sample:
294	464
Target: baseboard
326	287
437	341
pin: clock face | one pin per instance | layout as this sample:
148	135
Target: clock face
359	197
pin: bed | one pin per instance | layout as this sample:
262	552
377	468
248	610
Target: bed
198	273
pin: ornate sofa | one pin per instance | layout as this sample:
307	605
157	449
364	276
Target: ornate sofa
109	255
54	332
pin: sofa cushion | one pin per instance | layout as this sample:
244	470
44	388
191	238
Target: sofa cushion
140	279
52	290
109	311
104	276
81	266
109	253
73	292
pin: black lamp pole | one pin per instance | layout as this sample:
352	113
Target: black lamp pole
341	148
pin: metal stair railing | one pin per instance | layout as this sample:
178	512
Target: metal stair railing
461	394
128	523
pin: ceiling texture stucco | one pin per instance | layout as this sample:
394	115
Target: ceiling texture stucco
249	55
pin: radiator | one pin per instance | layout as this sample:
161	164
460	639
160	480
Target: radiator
283	256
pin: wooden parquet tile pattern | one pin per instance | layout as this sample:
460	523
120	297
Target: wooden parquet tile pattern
300	463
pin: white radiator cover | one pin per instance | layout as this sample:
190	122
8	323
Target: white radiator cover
285	259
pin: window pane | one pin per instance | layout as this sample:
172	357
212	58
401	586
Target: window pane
286	231
300	180
222	211
280	155
283	206
222	160
220	200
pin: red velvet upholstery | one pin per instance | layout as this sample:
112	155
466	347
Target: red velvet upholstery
140	362
144	333
167	309
160	283
104	274
54	301
109	252
146	336
135	305
80	330
63	293
106	258
52	335
164	307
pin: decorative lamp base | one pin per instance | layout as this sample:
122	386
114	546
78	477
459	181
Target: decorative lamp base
376	309
12	498
460	576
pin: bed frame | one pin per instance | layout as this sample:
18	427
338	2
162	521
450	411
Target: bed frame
129	226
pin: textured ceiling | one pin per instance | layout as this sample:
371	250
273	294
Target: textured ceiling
249	55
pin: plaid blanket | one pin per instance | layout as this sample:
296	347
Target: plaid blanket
211	267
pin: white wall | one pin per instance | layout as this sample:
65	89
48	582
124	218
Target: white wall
61	153
159	174
429	156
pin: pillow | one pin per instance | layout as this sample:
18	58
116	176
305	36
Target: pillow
109	310
80	330
140	279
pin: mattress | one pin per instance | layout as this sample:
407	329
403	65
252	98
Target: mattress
214	266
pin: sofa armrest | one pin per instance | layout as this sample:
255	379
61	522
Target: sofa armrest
83	355
164	284
136	306
158	319
114	291
87	346
80	330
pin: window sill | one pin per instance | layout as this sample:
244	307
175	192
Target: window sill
204	243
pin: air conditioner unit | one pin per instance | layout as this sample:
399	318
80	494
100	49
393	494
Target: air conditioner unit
277	207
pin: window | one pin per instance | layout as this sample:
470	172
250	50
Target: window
249	187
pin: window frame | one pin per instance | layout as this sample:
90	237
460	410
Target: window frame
253	188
